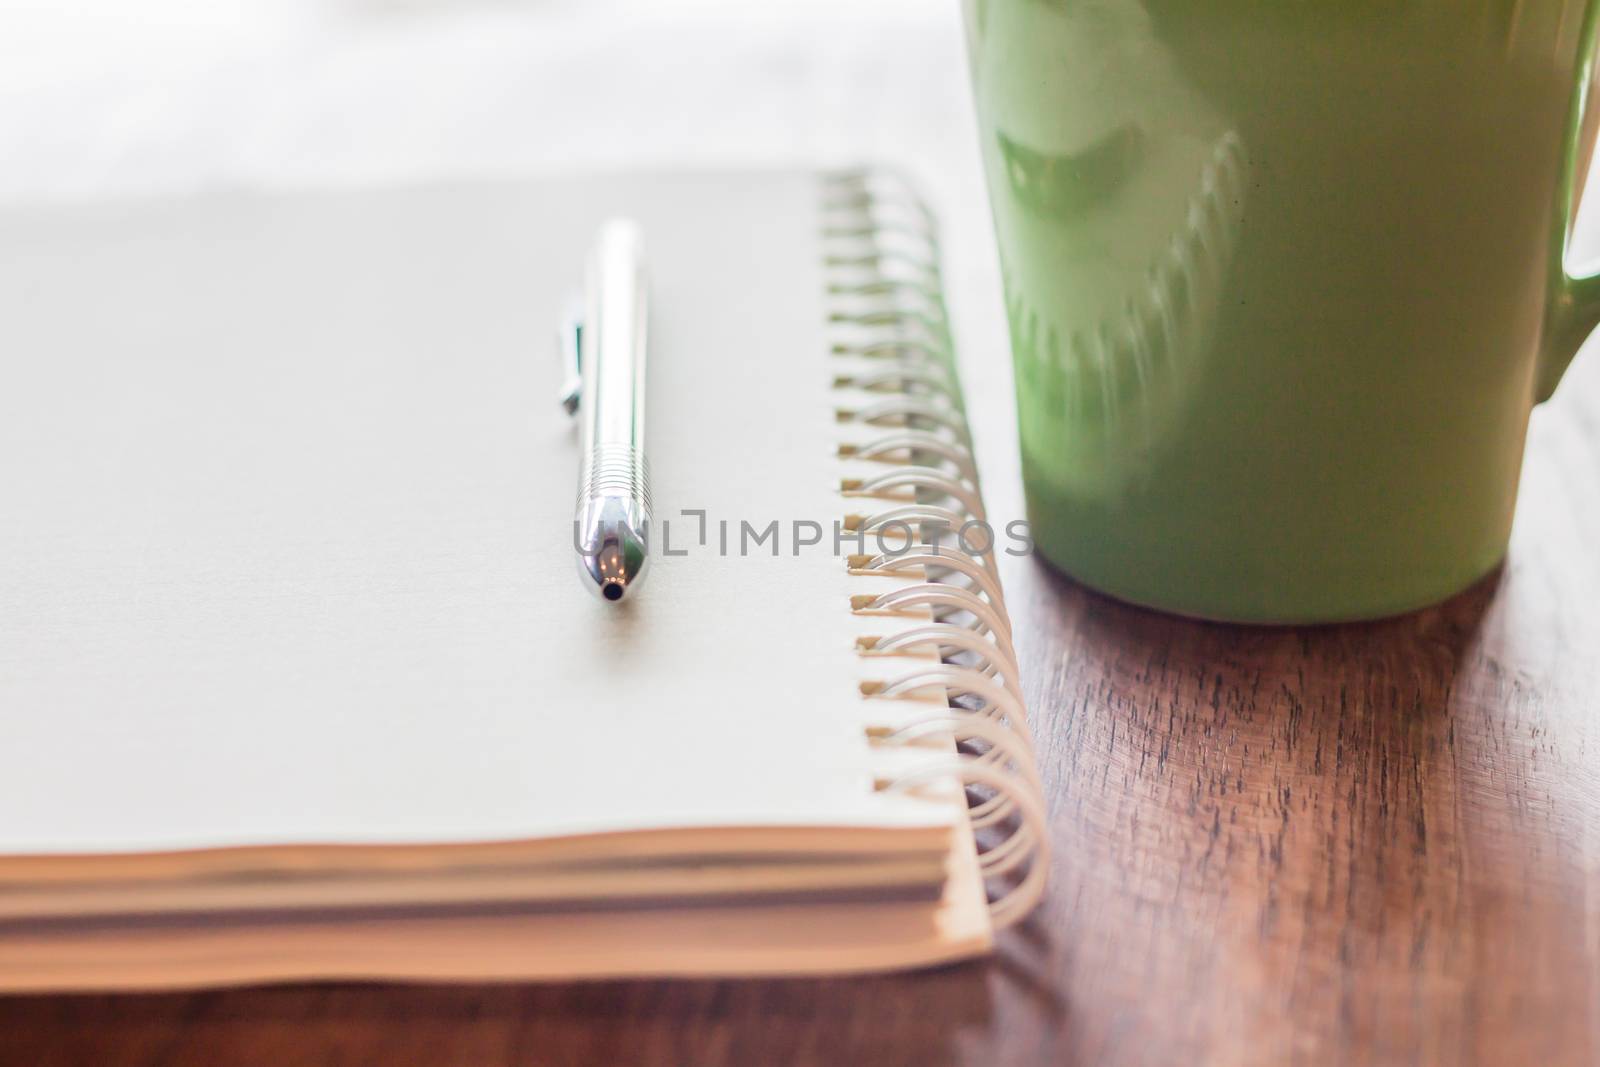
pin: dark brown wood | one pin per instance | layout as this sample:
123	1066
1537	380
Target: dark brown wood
1376	842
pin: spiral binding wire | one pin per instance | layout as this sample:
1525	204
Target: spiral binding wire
900	399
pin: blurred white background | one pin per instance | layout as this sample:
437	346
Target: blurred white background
172	94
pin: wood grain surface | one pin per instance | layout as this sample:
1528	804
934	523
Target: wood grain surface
1332	845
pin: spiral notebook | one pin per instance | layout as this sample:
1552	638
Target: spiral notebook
297	680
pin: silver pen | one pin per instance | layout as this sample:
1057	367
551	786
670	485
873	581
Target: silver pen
606	367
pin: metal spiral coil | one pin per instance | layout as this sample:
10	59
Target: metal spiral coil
913	482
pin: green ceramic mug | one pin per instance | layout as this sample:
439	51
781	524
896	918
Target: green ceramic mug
1284	280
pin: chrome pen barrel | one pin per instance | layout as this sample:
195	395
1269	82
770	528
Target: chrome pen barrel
613	512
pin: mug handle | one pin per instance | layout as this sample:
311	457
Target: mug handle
1573	312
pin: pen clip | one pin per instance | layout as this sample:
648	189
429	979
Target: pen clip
569	338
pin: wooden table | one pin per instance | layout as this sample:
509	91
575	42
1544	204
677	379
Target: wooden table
1300	845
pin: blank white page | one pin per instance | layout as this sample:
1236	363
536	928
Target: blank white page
285	526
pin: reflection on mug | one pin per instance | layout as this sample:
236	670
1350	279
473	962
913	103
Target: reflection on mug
1284	284
1117	214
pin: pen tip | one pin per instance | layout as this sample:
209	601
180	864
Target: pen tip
612	558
